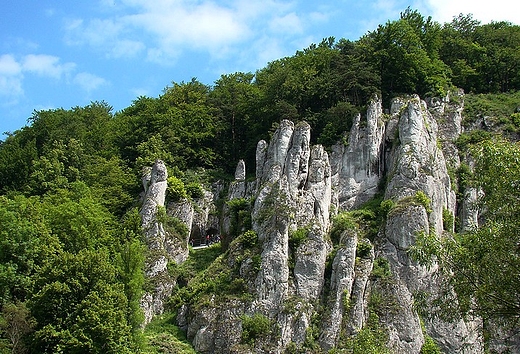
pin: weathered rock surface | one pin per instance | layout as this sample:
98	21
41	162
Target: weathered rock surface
358	166
155	184
308	288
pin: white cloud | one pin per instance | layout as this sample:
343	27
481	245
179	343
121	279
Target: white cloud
9	66
162	30
89	82
484	11
126	49
287	24
108	35
205	25
10	76
13	71
46	65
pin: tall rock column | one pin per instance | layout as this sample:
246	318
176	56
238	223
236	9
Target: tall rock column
162	246
420	187
357	167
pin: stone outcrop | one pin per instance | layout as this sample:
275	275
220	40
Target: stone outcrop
155	184
307	287
358	166
165	244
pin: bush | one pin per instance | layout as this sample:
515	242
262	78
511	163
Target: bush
254	327
429	346
249	238
447	220
176	189
340	223
386	206
422	199
194	190
381	268
297	237
363	249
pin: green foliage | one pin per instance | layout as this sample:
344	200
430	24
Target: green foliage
467	139
70	248
80	305
198	261
16	325
370	339
448	220
249	238
364	221
429	346
381	269
498	108
386	206
363	249
194	190
26	243
297	237
422	199
255	327
176	189
341	222
163	336
471	260
174	226
240	215
131	272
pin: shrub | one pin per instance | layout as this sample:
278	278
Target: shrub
249	238
386	206
297	237
194	190
447	220
363	249
176	189
254	327
381	268
429	346
422	199
240	215
341	222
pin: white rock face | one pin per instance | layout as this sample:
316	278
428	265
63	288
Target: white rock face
341	282
155	183
358	166
295	186
417	164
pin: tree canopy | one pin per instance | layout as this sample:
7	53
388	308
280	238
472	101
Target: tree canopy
71	259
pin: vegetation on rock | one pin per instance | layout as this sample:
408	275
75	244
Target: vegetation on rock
71	244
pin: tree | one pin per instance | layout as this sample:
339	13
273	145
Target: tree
16	324
482	266
80	306
406	52
26	242
236	98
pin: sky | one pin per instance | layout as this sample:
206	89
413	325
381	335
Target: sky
63	54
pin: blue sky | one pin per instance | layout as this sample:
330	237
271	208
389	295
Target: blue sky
66	53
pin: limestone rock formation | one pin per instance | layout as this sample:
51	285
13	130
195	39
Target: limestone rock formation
155	184
315	291
357	167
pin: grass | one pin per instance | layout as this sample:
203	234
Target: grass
499	107
163	336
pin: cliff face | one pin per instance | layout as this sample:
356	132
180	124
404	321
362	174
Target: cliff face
316	292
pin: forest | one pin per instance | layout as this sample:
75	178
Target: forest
71	248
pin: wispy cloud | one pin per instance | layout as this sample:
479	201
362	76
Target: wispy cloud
13	72
46	65
89	82
10	76
163	30
498	10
